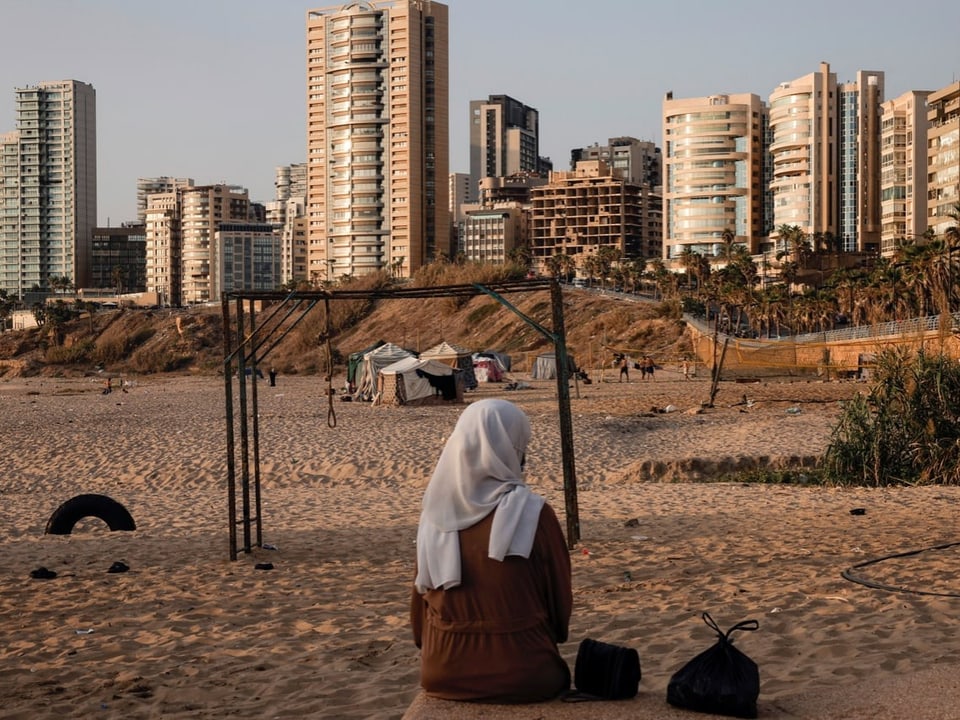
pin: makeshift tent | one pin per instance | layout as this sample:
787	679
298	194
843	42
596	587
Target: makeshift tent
456	357
488	368
545	366
371	365
414	381
354	360
501	358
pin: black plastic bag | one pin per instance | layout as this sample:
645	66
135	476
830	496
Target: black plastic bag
720	680
606	672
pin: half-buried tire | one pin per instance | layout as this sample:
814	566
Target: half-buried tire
75	509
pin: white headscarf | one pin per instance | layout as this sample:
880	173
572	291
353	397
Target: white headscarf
479	471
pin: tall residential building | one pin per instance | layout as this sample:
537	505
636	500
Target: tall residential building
504	138
202	210
153	186
826	156
181	226
636	161
804	149
377	137
288	212
903	169
578	212
462	192
248	257
48	187
859	167
489	235
943	157
715	173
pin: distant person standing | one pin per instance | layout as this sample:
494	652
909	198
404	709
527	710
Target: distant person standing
624	368
273	377
649	365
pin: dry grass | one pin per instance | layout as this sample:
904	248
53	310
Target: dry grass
145	341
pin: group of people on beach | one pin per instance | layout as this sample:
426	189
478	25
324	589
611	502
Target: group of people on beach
645	365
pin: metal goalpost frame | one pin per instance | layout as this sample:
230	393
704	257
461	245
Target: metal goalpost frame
249	338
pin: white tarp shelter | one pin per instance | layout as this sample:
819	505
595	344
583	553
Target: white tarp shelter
373	362
414	380
545	366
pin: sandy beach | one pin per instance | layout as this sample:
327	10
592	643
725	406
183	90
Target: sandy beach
186	633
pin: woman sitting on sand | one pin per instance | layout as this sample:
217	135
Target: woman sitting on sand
492	595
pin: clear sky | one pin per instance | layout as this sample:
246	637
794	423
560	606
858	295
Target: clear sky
215	89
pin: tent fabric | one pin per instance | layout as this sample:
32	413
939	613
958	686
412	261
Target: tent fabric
373	362
454	356
354	360
502	358
487	368
545	366
409	380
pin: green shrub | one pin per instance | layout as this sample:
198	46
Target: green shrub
906	430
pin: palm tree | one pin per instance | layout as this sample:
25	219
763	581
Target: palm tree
568	265
690	262
633	272
728	237
116	275
663	280
607	255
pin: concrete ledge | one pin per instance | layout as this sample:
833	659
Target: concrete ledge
645	705
929	694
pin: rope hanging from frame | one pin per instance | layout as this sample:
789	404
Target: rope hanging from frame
331	413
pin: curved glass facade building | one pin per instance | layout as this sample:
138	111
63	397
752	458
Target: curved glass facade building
714	173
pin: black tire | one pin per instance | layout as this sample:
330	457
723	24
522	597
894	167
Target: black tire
75	509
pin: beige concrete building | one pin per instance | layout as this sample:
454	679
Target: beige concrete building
580	211
804	151
162	234
903	169
154	186
182	264
943	157
202	210
825	148
490	235
715	175
377	137
288	212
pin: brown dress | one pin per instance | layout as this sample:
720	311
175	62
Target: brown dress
494	637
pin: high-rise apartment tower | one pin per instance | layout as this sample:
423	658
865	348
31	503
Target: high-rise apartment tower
48	187
377	137
715	173
826	157
504	138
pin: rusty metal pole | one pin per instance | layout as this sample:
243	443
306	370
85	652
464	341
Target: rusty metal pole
244	433
231	462
254	399
566	419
